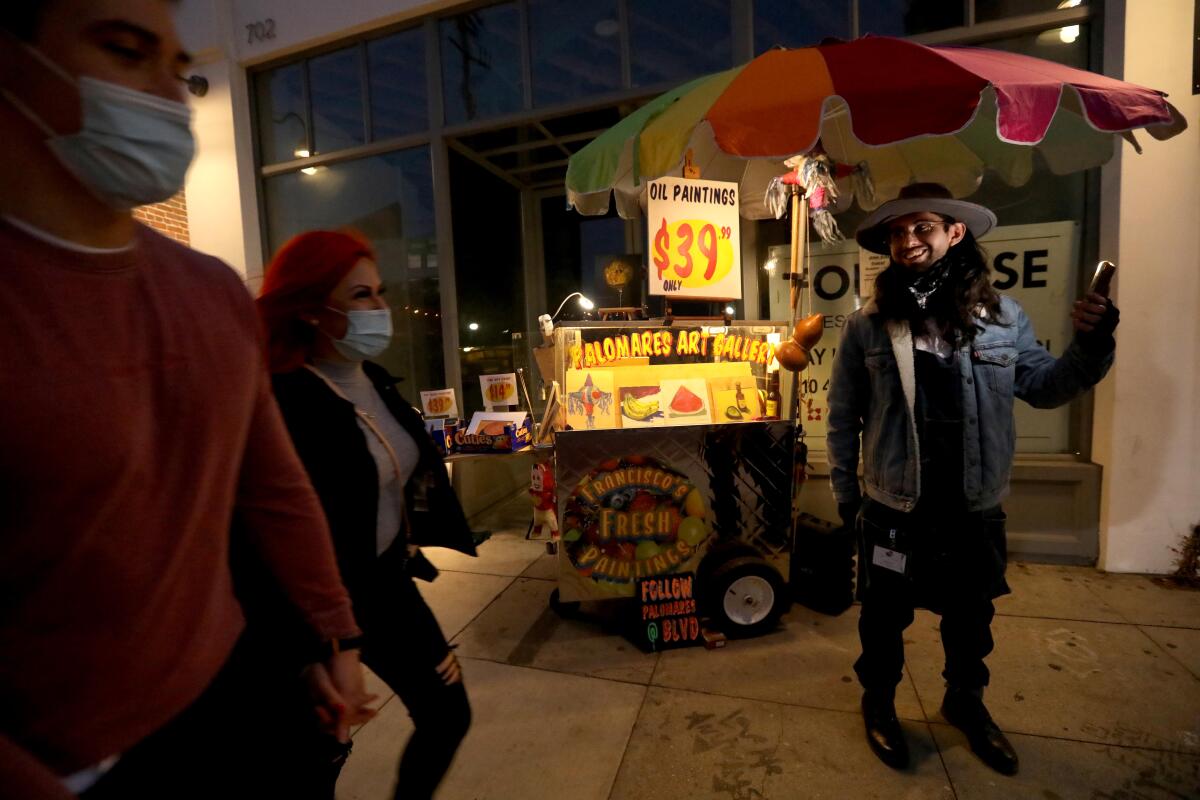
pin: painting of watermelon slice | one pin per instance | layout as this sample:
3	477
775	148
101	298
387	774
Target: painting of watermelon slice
686	401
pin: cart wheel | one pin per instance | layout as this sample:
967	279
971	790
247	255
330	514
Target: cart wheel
745	596
565	610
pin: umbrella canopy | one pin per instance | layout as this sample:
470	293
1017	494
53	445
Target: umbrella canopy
908	112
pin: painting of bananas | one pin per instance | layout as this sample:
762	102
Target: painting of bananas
640	407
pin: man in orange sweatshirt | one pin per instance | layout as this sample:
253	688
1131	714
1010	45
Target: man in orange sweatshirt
136	421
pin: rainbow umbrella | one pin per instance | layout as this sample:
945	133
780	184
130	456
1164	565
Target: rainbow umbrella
898	111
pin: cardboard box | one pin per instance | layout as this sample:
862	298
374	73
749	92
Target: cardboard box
442	433
494	432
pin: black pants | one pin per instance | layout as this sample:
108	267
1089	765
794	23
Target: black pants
404	646
243	737
888	610
955	567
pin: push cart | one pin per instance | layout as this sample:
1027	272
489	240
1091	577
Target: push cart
676	455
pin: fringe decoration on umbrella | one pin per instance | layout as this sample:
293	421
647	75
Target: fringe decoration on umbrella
776	198
864	186
824	225
816	177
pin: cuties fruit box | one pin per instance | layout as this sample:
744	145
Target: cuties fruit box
495	432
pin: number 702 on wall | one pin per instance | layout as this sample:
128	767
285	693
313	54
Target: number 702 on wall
260	31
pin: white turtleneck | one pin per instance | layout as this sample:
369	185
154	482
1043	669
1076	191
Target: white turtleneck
354	383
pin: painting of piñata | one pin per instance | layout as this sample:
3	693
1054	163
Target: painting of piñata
590	399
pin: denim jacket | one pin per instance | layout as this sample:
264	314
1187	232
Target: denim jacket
873	391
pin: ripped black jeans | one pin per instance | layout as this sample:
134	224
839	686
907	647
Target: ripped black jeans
404	646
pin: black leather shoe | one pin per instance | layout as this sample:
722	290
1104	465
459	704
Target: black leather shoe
883	730
965	710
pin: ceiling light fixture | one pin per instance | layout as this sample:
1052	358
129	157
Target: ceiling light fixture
607	27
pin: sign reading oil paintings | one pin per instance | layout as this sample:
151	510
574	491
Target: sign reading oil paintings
694	244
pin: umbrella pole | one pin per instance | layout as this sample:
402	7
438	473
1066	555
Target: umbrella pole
799	249
794	263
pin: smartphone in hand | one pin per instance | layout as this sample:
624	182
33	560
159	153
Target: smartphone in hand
1102	279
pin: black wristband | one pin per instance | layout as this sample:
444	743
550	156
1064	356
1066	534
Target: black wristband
326	650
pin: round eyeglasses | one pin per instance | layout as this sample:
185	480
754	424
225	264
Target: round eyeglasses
922	230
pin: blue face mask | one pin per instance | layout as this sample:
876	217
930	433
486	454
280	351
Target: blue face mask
132	149
367	335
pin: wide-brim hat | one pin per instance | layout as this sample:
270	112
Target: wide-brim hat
872	234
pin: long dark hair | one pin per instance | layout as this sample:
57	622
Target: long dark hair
956	306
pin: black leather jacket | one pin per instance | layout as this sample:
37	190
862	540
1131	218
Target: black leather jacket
333	448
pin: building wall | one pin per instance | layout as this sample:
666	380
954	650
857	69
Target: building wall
1147	420
289	26
170	217
222	183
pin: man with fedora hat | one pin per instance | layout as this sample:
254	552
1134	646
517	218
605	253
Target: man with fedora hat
924	378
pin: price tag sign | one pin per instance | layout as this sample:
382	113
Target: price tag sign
693	240
439	403
499	390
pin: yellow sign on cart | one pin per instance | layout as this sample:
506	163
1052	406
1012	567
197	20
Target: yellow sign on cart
694	243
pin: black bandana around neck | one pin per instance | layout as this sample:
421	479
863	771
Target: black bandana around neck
926	284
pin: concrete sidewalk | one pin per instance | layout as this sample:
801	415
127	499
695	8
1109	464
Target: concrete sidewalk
1096	679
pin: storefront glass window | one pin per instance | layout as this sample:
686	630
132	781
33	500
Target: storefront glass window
672	40
481	63
797	24
575	49
282	124
987	10
576	251
488	273
335	81
908	17
399	102
389	199
1068	46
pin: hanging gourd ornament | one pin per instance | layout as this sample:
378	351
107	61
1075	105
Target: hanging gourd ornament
793	354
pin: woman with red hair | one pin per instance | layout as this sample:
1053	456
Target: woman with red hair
379	478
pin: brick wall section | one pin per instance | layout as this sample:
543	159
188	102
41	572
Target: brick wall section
168	217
